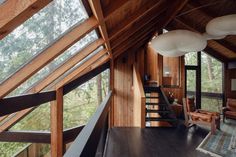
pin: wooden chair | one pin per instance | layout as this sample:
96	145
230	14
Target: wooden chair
230	110
195	116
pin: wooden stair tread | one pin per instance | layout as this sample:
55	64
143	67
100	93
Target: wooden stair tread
154	103
152	97
160	119
157	111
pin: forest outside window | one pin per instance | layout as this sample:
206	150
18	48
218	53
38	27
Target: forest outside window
37	33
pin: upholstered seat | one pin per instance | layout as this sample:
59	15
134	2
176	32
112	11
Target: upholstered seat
230	110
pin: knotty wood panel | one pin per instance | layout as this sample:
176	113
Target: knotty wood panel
123	87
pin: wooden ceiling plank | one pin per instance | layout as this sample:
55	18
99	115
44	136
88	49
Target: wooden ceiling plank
51	52
113	7
171	13
70	76
139	41
132	19
133	39
215	54
141	24
15	12
97	11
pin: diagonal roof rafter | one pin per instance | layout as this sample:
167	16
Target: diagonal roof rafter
15	12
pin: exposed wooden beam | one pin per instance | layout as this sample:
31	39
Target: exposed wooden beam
173	11
76	72
15	104
151	16
97	11
150	27
15	12
133	40
25	136
131	19
136	44
38	137
51	52
57	125
67	65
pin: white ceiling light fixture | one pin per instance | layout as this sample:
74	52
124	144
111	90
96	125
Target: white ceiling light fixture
178	42
220	27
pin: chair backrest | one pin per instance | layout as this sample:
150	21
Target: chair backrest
190	105
231	104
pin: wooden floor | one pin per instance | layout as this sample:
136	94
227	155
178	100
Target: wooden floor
155	142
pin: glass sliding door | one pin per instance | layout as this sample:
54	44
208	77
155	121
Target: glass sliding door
211	83
191	83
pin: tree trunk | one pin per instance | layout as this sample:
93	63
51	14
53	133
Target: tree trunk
99	89
209	67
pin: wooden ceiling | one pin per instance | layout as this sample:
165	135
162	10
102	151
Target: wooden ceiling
197	13
130	24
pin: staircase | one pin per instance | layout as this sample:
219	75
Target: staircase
157	107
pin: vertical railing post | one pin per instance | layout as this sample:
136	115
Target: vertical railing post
57	124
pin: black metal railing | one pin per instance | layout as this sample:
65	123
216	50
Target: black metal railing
87	142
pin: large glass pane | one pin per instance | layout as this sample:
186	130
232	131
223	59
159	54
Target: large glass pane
40	75
39	119
191	83
191	58
50	87
211	83
8	149
37	33
81	103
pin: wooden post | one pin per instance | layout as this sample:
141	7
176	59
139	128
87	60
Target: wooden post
57	125
111	113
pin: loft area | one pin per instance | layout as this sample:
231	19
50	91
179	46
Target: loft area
84	78
83	50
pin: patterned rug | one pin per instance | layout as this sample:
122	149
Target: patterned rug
223	143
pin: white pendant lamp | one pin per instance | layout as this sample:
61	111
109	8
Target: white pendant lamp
222	26
178	42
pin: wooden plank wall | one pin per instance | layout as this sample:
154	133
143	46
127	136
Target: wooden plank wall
123	86
138	99
229	74
154	68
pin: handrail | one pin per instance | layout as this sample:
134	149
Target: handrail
208	94
87	141
139	99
